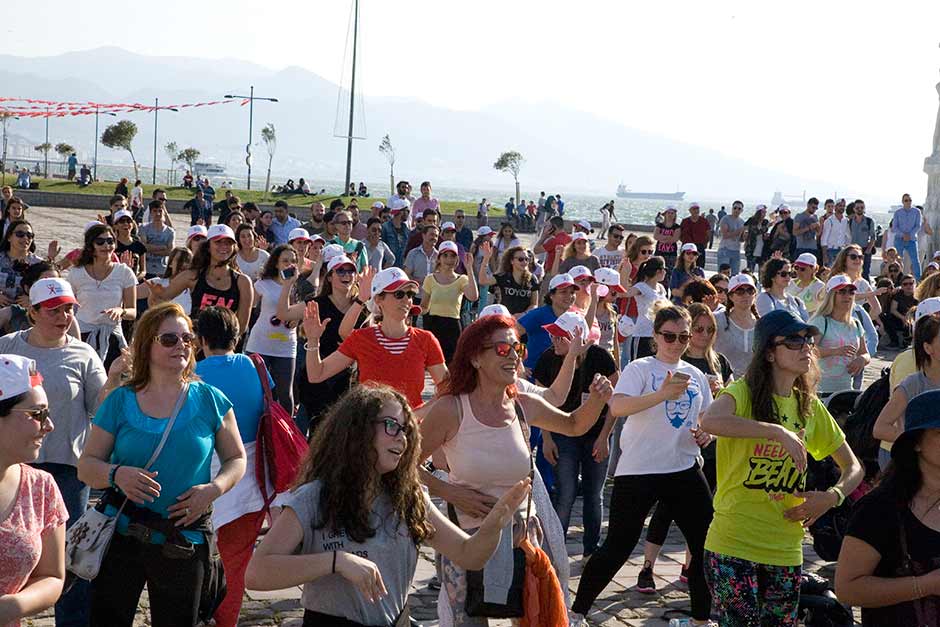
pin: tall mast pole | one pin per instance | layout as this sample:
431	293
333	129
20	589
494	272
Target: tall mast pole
156	109
352	96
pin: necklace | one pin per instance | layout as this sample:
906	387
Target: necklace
98	282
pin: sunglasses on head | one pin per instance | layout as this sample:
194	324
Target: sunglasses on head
797	342
670	337
704	329
104	241
504	349
400	294
169	340
24	234
393	427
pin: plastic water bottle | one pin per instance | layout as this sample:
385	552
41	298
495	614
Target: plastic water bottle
680	622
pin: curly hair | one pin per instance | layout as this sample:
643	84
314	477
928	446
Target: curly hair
87	256
343	457
769	271
928	288
505	264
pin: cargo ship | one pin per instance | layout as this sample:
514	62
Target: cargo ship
623	192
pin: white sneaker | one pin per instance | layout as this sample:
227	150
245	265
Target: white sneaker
576	620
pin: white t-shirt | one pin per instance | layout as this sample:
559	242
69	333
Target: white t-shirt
184	299
645	300
94	296
253	268
659	440
609	258
267	338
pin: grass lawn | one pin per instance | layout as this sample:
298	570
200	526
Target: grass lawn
106	188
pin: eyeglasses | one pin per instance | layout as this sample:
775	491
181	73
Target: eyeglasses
39	415
169	340
393	427
503	349
24	234
705	330
400	294
853	256
647	251
797	342
104	241
672	337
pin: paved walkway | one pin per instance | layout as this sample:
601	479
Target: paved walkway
618	605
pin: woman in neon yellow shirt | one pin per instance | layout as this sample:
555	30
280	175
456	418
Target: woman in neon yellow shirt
753	552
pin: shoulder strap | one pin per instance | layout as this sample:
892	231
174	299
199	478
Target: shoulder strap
262	371
180	401
523	424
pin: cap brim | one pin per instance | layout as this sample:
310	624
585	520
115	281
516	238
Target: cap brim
58	301
798	327
563	285
397	285
218	237
557	331
615	288
584	276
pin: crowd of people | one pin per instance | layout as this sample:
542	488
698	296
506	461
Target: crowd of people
555	367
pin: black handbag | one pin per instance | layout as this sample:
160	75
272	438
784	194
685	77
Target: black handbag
475	605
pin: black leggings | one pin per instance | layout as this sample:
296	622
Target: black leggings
174	585
447	332
633	497
661	519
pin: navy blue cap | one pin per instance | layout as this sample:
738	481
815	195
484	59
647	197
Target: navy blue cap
779	322
921	414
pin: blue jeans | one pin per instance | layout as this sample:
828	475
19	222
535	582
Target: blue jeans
731	257
911	248
574	458
72	608
545	469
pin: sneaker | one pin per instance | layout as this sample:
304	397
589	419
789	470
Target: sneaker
644	581
684	574
576	620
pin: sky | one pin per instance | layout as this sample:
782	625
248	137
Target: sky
835	90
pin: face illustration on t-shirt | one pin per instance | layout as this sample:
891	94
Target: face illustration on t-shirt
678	412
772	469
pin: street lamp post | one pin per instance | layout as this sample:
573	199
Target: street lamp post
5	120
45	151
251	113
156	109
94	176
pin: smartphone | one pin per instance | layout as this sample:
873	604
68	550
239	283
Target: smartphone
288	273
680	376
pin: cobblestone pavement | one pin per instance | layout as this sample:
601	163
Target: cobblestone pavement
618	605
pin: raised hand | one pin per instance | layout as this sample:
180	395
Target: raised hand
602	387
313	326
487	249
365	283
673	388
53	250
127	258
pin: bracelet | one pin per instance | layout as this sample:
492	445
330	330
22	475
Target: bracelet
839	493
917	590
111	474
358	302
307	346
334	567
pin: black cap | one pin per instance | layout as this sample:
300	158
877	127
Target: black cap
921	413
779	322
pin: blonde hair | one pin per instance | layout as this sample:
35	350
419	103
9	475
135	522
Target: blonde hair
145	333
928	288
699	310
829	302
838	265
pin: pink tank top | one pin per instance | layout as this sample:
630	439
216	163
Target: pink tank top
487	459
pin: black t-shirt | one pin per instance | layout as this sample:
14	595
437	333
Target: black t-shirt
595	361
136	247
515	297
725	367
876	523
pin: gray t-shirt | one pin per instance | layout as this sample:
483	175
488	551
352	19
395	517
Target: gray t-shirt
72	377
805	240
156	264
390	549
734	343
591	263
917	383
733	224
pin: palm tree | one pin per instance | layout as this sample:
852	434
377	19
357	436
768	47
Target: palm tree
270	140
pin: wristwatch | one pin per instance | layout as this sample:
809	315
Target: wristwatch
358	302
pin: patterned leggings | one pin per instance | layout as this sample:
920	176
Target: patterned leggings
748	594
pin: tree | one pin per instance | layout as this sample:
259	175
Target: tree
388	150
511	162
64	149
44	148
172	151
120	135
188	156
270	140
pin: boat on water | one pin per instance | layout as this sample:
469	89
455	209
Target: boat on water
623	192
204	168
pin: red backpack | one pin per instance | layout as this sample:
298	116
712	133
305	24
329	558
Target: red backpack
280	447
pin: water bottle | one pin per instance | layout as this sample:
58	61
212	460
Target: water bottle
680	622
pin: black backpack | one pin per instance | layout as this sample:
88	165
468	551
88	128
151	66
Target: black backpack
859	424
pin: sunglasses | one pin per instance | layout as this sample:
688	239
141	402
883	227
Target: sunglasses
907	283
705	330
124	221
523	259
39	415
393	427
850	290
504	349
744	290
647	252
615	236
104	241
24	234
672	337
344	271
797	342
853	256
197	238
400	294
721	290
169	340
784	273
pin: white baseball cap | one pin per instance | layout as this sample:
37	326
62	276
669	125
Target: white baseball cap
378	204
196	229
806	259
566	325
298	233
927	307
670	208
578	235
689	248
936	254
389	280
625	326
580	272
444	247
339	260
562	280
839	282
317	237
123	213
332	250
484	231
18	375
609	278
934	265
448	226
221	231
695	205
88	225
784	207
584	224
496	309
396	204
740	280
51	293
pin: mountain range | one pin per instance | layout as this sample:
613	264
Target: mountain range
563	148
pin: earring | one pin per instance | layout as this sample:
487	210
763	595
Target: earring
475	364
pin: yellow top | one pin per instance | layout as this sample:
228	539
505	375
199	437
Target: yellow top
444	300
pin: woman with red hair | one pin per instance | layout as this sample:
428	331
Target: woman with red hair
480	422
